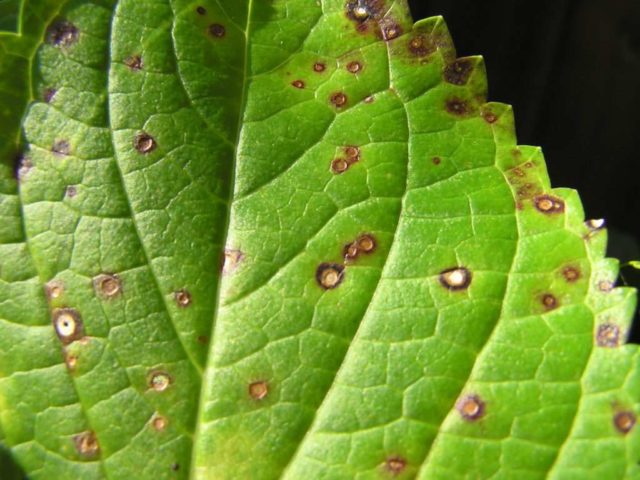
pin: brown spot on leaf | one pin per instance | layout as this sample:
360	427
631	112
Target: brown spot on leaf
339	99
182	298
62	33
298	84
175	467
354	67
134	62
71	361
549	204
339	165
624	421
259	390
203	340
352	153
61	147
608	335
86	444
571	274
489	117
319	67
605	286
107	285
470	407
456	278
159	380
436	160
362	10
518	172
457	106
217	31
351	251
395	465
232	259
23	167
420	46
71	191
458	72
365	243
329	275
390	29
549	301
48	94
54	289
144	143
159	423
200	10
68	324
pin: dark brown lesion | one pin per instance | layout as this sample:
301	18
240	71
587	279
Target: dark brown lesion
455	278
390	29
571	274
549	302
134	62
62	33
107	285
217	30
395	465
354	67
458	72
361	11
339	165
159	380
48	94
61	147
70	191
365	244
624	421
338	99
548	204
258	390
342	164
329	275
68	325
608	335
421	45
183	298
489	116
86	444
458	107
470	407
144	143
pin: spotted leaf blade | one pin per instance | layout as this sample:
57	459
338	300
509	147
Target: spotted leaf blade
403	294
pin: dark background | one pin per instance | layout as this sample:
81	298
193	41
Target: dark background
571	70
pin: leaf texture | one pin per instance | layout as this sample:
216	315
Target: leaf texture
291	239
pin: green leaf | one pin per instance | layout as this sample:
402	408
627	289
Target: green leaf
402	294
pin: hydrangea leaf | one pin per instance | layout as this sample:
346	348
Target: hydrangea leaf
291	239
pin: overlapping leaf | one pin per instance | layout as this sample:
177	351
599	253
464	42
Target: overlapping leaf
291	239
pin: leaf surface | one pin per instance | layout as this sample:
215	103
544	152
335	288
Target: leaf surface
291	239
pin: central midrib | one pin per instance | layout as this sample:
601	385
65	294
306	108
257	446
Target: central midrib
232	178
